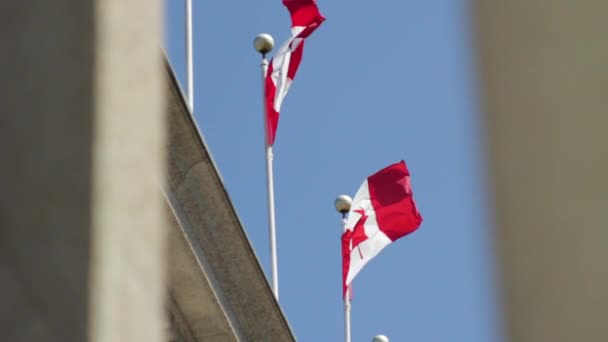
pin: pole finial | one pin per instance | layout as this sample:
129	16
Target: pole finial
263	43
380	338
342	204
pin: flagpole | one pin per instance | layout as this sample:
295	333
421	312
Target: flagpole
189	62
342	204
264	43
347	305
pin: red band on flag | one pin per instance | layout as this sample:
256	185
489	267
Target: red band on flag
391	195
304	12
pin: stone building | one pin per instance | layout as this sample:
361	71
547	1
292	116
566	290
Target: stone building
217	288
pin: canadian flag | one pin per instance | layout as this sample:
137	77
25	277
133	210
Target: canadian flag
305	19
382	211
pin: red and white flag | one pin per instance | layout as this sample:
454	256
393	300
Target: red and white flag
382	211
305	19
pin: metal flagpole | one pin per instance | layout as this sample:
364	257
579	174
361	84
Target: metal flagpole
342	204
189	62
347	305
264	43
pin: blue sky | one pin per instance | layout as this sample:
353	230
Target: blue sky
379	82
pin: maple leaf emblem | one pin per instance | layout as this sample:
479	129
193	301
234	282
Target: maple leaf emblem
357	235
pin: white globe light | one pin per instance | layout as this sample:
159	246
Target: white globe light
342	203
380	338
263	43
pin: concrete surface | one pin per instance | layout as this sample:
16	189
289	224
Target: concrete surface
545	86
81	136
217	240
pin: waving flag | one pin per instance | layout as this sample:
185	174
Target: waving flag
382	211
305	19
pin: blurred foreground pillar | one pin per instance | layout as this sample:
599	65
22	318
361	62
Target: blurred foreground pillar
82	159
545	86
